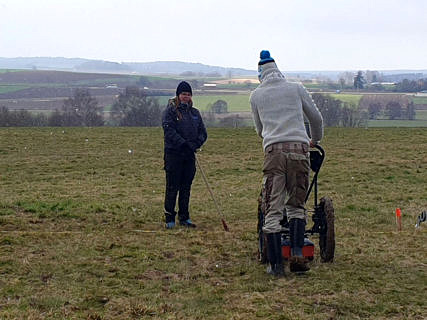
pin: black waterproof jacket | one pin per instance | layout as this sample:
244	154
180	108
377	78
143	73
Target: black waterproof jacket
183	128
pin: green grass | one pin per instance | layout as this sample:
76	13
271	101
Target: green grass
236	102
238	86
349	98
421	114
10	70
101	81
163	100
420	100
397	123
82	237
12	88
309	85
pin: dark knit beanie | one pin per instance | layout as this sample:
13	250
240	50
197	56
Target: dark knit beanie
265	57
183	87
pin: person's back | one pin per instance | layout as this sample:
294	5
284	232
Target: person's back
279	107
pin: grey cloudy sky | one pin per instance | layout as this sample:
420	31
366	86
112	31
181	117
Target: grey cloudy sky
301	35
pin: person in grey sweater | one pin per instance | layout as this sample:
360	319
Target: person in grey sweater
279	108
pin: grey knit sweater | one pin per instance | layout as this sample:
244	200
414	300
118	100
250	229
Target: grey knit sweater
279	107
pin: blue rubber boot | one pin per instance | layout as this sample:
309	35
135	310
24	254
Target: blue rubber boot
187	223
170	225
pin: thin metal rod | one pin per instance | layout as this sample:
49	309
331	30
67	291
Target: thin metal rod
212	194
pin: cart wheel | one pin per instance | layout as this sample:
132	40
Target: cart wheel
327	236
262	239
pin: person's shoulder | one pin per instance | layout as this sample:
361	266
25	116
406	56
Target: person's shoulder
296	85
171	102
255	93
195	110
170	107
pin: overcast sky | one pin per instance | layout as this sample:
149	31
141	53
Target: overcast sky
300	34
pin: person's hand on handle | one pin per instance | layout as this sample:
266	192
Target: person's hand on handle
312	143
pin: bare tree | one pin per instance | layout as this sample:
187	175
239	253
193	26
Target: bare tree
410	111
394	110
374	110
219	106
81	110
134	108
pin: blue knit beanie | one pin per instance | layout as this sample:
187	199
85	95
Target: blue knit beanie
265	57
183	87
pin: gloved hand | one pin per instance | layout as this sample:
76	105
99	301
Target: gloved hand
193	146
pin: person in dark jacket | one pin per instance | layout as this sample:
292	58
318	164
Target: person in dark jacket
184	133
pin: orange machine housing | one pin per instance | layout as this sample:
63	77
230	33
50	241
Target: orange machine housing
307	250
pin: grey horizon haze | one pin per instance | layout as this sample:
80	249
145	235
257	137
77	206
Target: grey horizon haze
301	35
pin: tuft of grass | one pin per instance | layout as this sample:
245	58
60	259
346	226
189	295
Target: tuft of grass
82	235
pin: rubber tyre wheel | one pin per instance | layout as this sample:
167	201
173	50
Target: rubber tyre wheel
327	239
262	238
262	248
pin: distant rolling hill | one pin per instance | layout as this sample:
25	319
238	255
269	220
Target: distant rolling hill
174	68
101	66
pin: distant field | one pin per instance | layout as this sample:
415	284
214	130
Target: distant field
421	115
12	88
420	100
106	81
349	98
397	123
236	102
163	100
313	85
253	80
9	70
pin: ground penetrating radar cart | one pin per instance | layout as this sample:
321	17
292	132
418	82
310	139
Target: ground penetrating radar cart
322	216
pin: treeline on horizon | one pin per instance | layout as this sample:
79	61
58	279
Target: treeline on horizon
134	107
370	81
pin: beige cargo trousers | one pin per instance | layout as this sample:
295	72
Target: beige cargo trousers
285	183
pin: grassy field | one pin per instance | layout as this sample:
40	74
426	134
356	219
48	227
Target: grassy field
397	123
309	85
81	229
9	70
349	98
421	115
12	88
236	102
240	102
420	100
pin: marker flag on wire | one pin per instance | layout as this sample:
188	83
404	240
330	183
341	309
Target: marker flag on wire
399	219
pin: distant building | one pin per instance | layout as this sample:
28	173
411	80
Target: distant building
384	83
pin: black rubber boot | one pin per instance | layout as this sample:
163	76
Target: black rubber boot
297	262
274	253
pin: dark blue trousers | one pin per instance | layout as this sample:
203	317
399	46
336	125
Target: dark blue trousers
180	171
